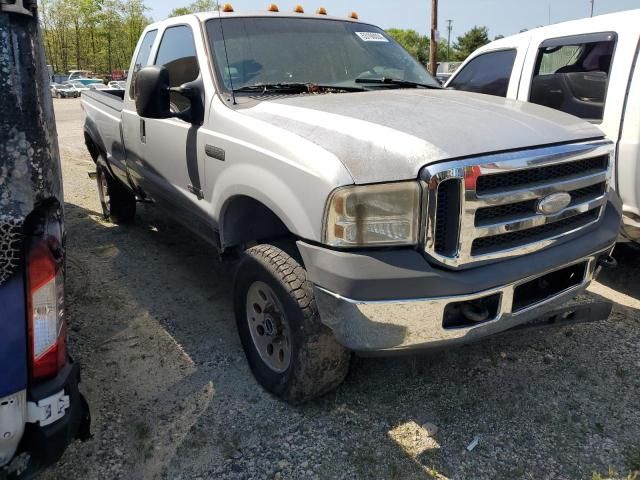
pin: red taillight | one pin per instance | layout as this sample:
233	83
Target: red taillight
47	330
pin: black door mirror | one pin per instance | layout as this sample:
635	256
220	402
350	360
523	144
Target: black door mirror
152	92
153	99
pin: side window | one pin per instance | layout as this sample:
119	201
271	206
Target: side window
488	73
142	59
177	53
572	75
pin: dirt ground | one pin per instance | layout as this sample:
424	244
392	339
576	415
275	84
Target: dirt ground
172	396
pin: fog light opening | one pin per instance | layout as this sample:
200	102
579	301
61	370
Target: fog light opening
472	312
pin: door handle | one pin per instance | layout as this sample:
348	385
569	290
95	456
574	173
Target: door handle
143	131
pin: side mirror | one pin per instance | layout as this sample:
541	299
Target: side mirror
152	92
153	98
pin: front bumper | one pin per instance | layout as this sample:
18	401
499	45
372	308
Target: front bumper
43	445
419	324
395	300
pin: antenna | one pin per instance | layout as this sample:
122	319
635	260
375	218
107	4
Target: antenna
226	54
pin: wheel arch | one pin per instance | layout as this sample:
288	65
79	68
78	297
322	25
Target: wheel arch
245	219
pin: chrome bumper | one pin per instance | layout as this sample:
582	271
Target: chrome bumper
418	324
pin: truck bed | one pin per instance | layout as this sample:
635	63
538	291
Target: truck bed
113	99
103	110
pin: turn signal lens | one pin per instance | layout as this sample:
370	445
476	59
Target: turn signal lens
321	11
373	215
227	8
273	8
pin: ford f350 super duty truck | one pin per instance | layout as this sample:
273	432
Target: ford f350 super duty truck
41	408
366	209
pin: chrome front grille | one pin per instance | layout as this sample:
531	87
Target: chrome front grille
488	208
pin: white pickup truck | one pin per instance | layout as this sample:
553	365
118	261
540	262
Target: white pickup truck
588	68
363	207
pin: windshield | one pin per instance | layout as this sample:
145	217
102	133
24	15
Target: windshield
265	51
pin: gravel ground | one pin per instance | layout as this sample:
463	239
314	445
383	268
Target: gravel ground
172	396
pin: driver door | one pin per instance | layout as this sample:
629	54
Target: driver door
171	152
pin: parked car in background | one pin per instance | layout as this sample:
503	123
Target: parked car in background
82	76
41	408
59	90
98	86
118	84
363	207
443	77
80	87
588	68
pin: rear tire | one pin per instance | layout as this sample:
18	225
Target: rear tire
118	203
291	353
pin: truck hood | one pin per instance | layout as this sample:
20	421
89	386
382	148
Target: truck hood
390	135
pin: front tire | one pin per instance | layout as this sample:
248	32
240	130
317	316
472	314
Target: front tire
290	352
118	203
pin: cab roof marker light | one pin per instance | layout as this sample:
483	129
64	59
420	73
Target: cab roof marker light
227	8
298	9
321	11
353	15
273	8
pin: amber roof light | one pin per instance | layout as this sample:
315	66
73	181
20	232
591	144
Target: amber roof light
354	15
273	8
298	9
227	8
321	11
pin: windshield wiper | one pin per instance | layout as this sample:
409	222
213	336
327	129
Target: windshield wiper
265	88
395	81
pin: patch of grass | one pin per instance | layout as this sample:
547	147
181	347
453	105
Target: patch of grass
621	372
142	436
611	474
632	459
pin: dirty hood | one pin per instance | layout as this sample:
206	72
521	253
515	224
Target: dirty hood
390	135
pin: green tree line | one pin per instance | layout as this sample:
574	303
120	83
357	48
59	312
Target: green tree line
101	35
418	45
96	35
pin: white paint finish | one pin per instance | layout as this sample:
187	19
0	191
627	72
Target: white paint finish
290	175
12	421
390	135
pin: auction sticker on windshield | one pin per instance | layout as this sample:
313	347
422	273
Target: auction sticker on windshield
372	37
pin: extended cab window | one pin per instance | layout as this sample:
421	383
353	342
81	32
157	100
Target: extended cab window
177	53
572	74
488	73
142	59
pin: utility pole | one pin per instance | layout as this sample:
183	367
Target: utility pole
449	28
592	2
433	47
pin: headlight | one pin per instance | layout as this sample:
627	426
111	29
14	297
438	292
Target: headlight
373	215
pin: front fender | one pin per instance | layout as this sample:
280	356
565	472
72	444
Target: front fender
303	220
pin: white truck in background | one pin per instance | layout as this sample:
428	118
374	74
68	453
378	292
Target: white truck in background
588	68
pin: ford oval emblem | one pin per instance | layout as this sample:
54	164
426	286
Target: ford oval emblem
554	203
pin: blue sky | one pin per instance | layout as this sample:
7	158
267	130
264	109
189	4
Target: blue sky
501	16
